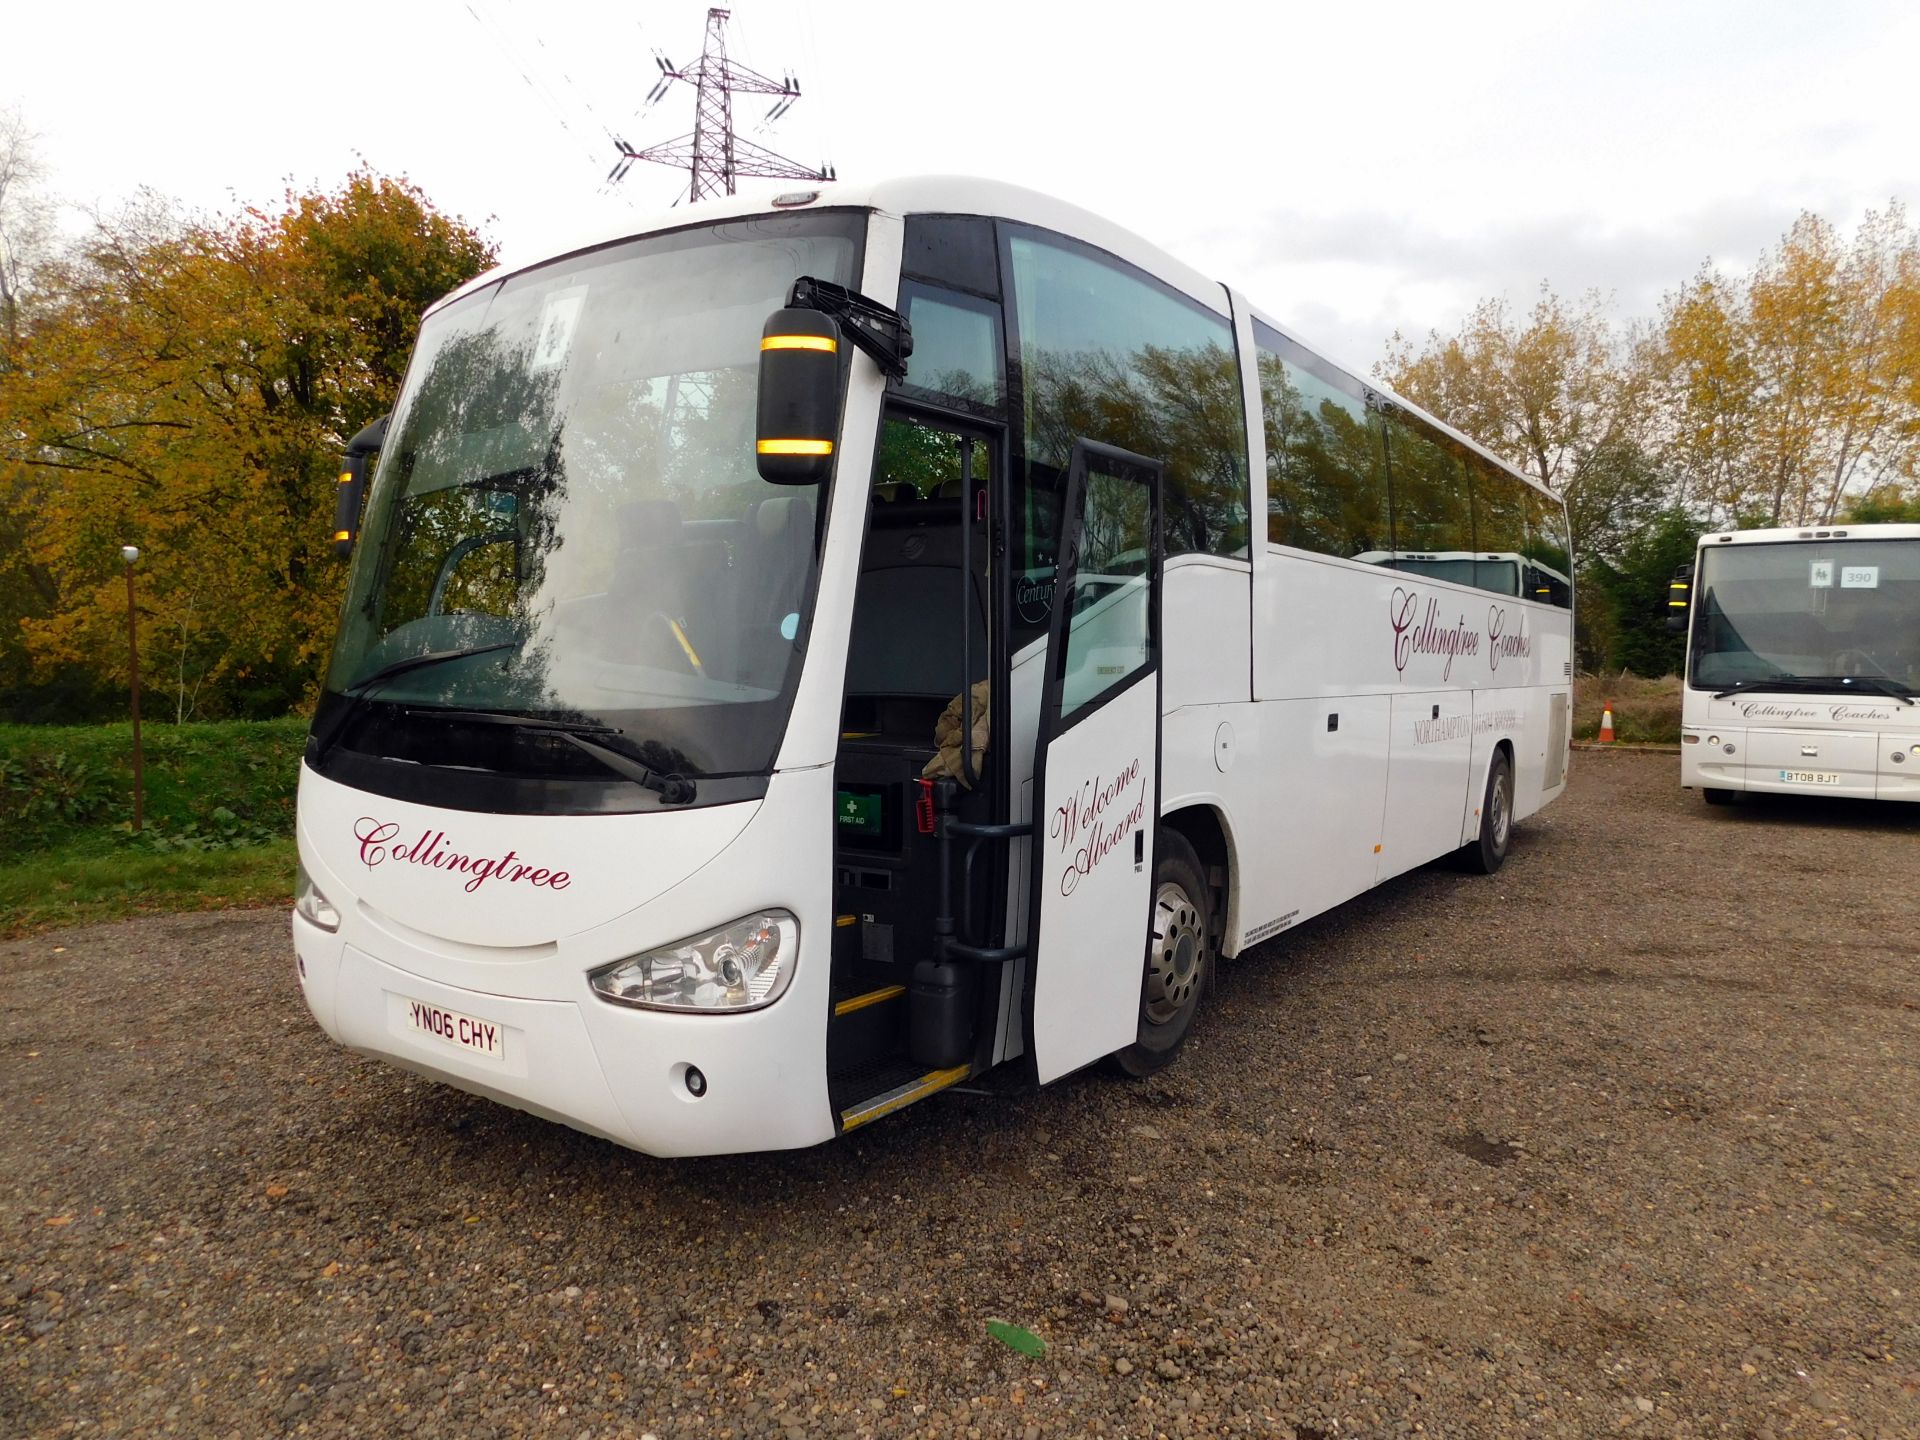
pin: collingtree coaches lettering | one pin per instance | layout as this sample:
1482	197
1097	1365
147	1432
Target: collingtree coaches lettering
376	848
1430	635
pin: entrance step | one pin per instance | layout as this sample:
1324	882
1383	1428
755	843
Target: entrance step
881	1089
869	1025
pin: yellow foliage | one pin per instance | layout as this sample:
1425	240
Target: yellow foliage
187	387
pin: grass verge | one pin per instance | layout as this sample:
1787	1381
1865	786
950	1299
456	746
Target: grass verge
55	888
1645	712
218	832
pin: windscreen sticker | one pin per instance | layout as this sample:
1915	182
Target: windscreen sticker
559	314
1821	576
1859	577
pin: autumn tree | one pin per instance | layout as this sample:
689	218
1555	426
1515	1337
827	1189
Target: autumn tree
1555	393
187	387
26	221
1785	393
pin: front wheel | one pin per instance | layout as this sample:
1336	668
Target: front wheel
1487	852
1715	796
1179	963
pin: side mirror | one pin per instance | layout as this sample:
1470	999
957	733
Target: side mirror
800	393
1679	597
352	489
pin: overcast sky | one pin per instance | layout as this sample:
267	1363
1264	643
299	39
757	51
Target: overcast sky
1356	169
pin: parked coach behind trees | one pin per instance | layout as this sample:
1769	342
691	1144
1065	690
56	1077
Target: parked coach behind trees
798	658
1803	663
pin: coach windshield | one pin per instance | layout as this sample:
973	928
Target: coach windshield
1809	616
568	527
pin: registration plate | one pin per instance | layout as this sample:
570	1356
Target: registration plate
1810	777
463	1032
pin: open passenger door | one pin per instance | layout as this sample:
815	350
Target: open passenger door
1096	783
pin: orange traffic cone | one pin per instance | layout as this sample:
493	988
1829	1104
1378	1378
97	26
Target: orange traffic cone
1606	723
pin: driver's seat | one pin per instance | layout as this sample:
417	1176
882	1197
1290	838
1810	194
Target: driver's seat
648	585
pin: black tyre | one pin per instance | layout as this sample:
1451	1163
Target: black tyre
1715	796
1488	851
1179	960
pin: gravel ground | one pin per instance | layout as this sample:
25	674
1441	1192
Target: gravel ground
1625	1140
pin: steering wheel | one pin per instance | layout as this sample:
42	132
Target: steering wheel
1857	662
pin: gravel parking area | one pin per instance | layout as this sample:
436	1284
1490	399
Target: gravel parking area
1624	1140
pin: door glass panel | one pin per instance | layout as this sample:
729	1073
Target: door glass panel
1110	625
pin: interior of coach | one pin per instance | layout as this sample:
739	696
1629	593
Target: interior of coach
921	622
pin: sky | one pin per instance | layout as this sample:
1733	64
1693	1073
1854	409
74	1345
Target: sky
1355	169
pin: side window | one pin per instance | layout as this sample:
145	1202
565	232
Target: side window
1326	484
1432	507
1110	354
958	356
1109	621
1500	521
1549	551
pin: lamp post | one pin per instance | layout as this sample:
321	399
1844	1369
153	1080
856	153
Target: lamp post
131	553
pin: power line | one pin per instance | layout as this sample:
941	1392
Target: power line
714	154
519	63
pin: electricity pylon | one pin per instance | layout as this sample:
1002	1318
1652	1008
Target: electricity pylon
715	156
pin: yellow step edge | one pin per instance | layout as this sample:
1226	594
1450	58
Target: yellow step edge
841	922
902	1095
872	997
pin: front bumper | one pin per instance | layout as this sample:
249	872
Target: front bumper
568	1055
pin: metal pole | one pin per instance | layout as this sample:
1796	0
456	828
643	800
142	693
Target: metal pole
133	658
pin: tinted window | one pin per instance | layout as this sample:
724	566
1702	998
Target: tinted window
956	250
957	356
1110	354
1500	521
1432	507
1549	551
1109	626
1326	485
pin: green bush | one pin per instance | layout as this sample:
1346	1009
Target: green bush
208	786
45	793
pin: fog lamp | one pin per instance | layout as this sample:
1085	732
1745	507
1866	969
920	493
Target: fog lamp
310	904
741	966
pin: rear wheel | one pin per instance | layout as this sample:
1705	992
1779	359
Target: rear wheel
1487	852
1179	962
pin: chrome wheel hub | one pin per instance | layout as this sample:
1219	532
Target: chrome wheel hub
1502	814
1175	954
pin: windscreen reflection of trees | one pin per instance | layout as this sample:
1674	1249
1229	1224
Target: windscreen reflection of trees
1179	406
478	470
1550	548
1325	488
1500	528
1432	507
1113	539
506	475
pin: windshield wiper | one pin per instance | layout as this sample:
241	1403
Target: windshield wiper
1825	684
672	789
362	688
1772	682
420	662
1885	684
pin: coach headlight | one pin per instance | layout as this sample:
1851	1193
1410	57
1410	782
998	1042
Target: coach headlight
310	904
741	966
